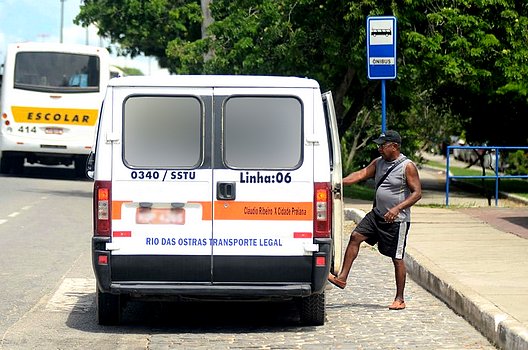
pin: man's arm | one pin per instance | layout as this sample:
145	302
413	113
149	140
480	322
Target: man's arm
415	187
366	173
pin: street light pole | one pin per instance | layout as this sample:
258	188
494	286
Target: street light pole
62	20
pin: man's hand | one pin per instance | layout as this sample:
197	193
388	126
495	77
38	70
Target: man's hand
392	214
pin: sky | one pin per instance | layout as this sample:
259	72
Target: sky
40	21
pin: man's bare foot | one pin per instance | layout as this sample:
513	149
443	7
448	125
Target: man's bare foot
397	304
336	281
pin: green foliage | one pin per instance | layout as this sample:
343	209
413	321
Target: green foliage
472	56
514	186
359	191
517	163
140	26
461	64
130	71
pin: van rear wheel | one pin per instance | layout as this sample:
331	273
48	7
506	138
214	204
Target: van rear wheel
312	310
108	308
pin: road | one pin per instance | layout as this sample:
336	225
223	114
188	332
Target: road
48	293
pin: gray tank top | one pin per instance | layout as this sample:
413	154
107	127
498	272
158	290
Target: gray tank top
393	190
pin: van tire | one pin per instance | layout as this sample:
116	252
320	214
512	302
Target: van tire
108	308
312	310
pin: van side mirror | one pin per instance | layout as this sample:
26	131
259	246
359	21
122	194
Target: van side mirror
90	165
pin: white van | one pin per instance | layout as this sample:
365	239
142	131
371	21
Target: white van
216	187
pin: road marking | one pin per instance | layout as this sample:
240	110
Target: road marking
12	215
27	207
2	221
73	295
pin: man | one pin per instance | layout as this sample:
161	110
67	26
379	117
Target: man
398	188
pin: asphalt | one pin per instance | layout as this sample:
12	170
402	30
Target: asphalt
472	256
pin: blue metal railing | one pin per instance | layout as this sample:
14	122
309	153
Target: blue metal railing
497	176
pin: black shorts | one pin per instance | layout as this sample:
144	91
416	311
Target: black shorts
390	236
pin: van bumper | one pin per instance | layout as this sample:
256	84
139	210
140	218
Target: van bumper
227	289
211	290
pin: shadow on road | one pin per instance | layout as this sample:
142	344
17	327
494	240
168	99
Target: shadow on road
58	172
195	317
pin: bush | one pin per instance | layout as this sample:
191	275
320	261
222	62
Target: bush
517	163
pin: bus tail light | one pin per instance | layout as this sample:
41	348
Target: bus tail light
322	210
102	208
6	121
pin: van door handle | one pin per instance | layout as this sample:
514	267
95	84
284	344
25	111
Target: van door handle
337	191
337	188
225	190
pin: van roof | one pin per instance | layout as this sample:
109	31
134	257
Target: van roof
214	81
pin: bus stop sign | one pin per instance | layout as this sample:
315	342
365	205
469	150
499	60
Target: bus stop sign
381	47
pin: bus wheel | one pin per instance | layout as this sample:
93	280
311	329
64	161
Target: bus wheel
17	165
312	310
12	164
108	308
5	166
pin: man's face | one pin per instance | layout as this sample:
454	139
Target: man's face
387	149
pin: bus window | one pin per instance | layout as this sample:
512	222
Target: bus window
56	72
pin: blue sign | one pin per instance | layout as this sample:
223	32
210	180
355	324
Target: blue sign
381	47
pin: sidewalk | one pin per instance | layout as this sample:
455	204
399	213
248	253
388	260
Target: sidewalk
479	270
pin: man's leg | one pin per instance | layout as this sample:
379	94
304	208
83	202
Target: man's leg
400	273
351	254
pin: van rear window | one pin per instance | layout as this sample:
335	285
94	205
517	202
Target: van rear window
162	132
263	132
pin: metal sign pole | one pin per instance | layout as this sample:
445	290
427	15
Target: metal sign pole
383	111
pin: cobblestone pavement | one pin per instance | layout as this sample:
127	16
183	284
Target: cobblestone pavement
357	318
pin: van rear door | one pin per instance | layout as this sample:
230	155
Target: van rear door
337	181
161	185
213	187
263	186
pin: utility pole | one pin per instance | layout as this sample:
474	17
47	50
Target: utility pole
62	21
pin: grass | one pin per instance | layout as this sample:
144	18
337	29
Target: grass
359	191
514	186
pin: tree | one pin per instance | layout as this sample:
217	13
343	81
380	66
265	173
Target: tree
285	37
131	71
141	26
461	64
473	57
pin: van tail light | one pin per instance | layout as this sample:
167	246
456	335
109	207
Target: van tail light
322	210
102	208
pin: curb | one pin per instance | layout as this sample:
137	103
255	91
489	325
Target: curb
498	327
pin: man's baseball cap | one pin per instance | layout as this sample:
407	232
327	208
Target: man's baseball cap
388	136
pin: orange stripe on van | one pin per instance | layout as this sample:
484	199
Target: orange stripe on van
229	210
207	211
116	209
